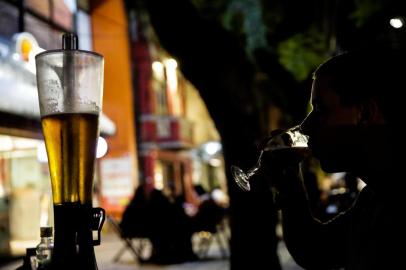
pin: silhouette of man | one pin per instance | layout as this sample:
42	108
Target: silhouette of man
353	127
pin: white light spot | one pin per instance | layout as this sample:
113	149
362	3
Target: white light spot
396	22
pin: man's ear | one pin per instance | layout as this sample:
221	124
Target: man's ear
370	113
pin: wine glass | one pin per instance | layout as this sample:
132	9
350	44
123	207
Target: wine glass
291	139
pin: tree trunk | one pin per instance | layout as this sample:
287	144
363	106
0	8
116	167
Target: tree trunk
214	62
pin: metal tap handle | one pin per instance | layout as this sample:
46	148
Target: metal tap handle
98	217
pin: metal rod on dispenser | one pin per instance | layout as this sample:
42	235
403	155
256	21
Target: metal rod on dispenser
69	44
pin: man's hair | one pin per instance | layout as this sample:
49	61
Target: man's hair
372	74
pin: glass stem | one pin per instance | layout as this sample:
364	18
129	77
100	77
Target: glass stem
254	169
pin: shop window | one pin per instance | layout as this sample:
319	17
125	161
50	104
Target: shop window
4	177
41	7
55	40
158	84
84	28
62	13
161	102
47	37
84	5
41	31
26	172
169	178
8	20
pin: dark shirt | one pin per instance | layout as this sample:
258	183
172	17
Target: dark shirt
368	236
135	216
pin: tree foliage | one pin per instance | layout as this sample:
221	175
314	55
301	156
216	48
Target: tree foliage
304	33
301	53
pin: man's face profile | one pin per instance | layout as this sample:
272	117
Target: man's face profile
331	126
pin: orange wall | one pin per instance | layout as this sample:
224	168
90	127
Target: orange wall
110	38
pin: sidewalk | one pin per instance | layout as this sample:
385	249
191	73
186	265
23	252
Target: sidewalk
111	245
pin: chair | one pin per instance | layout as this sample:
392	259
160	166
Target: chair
136	249
206	238
210	225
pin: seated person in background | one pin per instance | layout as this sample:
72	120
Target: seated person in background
169	230
162	219
211	212
134	219
201	192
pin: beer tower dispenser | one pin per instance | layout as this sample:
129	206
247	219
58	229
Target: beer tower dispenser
70	90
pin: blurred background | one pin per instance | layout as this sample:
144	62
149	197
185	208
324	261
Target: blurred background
191	87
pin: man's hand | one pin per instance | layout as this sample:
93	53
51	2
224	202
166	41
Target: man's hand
282	163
